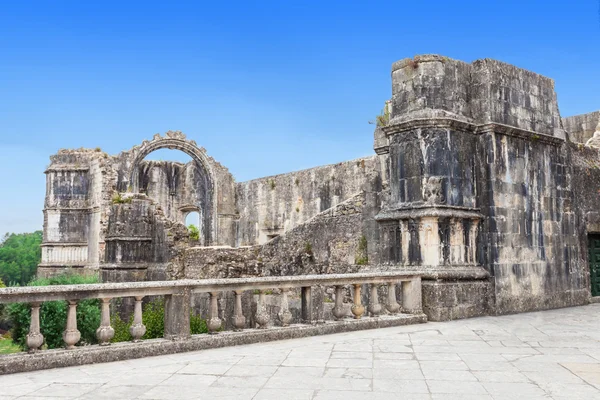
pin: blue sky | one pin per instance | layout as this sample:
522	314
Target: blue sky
267	87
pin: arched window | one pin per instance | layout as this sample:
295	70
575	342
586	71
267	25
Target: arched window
194	225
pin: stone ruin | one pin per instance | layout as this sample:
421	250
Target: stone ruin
476	182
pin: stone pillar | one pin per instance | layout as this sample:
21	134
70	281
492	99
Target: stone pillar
338	310
307	305
392	305
71	335
34	339
457	242
239	321
374	305
405	240
105	332
137	329
357	308
412	296
318	302
214	322
285	316
430	241
472	258
177	315
262	316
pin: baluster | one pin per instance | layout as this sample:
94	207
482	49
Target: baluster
285	316
262	316
392	305
338	309
105	332
71	335
357	308
375	307
214	323
35	339
137	329
306	299
239	321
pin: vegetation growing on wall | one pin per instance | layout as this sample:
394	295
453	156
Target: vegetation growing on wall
362	257
308	248
383	118
20	255
118	199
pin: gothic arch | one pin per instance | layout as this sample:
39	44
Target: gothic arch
176	140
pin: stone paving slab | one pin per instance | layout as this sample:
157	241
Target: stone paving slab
544	355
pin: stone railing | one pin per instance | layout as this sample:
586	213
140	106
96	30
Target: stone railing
177	295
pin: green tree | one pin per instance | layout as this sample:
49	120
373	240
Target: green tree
20	255
2	285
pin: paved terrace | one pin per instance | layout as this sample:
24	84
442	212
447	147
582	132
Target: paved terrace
544	355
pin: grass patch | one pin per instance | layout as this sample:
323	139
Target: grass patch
8	347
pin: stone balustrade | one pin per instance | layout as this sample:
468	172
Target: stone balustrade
177	296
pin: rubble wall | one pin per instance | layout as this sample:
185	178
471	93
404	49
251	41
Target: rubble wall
328	243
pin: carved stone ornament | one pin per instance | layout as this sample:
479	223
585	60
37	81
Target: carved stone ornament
432	190
175	135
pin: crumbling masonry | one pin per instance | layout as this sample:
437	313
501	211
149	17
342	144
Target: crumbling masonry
477	182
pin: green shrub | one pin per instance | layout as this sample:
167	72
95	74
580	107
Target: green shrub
194	232
153	317
197	325
121	329
53	314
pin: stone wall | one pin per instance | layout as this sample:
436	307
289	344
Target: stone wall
586	187
77	182
480	175
142	243
581	128
485	91
270	206
328	243
530	234
501	93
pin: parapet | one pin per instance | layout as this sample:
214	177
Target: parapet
480	93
